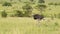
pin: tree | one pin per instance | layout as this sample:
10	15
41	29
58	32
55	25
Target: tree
28	10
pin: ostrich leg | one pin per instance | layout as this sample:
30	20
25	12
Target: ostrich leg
38	22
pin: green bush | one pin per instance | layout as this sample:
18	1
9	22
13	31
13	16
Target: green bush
41	8
12	15
4	14
6	4
41	1
27	10
18	13
50	3
26	14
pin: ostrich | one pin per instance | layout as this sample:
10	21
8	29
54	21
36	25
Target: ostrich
38	17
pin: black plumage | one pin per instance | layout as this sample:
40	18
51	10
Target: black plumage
37	16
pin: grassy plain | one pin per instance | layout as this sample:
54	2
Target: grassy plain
25	25
14	25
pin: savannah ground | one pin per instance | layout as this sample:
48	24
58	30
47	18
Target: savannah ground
14	25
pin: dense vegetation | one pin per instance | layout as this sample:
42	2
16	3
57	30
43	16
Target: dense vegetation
27	8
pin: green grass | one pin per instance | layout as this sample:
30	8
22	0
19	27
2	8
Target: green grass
14	25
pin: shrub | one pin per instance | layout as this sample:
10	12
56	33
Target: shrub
41	1
12	15
27	14
4	14
18	13
41	8
27	10
50	3
55	4
6	4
